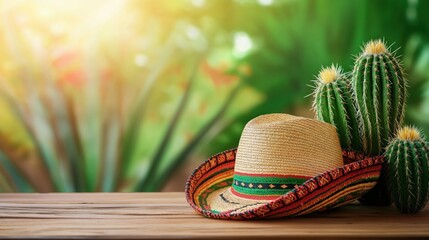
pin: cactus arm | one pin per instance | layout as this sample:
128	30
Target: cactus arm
322	111
317	105
358	84
320	103
340	117
330	106
360	69
392	156
425	165
406	195
388	123
424	168
391	96
400	75
366	93
415	180
333	118
374	111
402	174
398	91
356	144
368	108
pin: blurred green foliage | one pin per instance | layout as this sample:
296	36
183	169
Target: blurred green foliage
154	83
295	38
91	105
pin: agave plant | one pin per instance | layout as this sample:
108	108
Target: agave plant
88	146
96	125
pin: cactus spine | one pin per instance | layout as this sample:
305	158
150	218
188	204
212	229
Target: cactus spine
379	91
408	173
333	104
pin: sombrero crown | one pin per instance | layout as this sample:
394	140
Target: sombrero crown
279	151
284	165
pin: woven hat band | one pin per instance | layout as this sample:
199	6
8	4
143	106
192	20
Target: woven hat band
265	184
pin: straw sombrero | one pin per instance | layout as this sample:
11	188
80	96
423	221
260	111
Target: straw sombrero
283	166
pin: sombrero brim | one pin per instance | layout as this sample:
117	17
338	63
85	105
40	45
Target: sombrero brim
327	190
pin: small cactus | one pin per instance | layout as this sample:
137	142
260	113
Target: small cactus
408	172
333	104
379	90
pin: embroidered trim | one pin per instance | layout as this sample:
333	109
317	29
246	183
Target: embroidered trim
317	192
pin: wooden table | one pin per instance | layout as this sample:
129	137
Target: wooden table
167	215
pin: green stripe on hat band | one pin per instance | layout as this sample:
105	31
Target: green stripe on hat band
269	180
261	191
262	185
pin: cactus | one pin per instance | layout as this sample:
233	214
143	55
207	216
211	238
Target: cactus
408	173
379	91
333	104
368	117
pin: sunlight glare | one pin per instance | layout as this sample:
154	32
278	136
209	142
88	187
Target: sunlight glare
141	60
242	44
265	2
198	3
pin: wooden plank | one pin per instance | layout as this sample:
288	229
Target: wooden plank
168	216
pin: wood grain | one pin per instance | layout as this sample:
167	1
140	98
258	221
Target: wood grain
168	216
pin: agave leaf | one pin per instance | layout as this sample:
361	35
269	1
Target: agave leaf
5	186
39	134
155	161
162	177
137	115
43	106
19	181
110	156
89	124
45	141
74	124
61	121
66	129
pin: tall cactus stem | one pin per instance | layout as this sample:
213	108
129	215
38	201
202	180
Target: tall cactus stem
379	90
